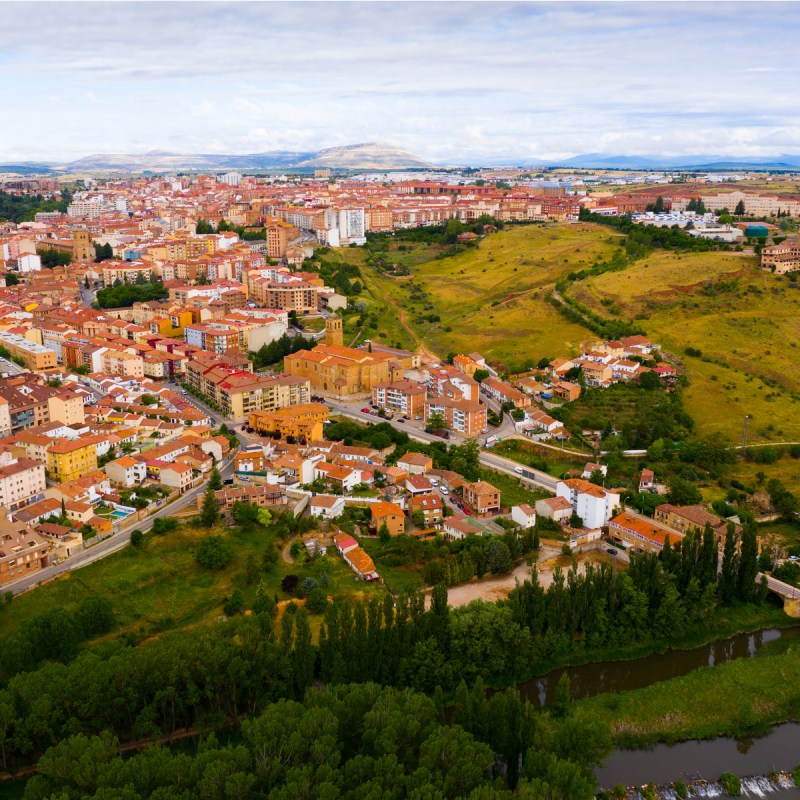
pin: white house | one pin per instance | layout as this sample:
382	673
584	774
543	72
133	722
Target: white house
325	506
126	471
29	262
524	515
593	504
556	508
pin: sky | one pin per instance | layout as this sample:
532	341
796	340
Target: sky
453	82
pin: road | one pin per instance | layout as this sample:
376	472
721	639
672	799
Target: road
486	458
118	540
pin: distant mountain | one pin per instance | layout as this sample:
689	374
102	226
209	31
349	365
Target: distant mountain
602	161
25	168
369	155
353	157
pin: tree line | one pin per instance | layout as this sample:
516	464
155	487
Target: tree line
270	354
126	294
23	208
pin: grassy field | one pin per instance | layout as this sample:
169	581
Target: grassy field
744	321
161	587
491	297
739	698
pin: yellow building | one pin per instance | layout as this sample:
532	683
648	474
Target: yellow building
171	325
70	459
341	371
334	332
303	420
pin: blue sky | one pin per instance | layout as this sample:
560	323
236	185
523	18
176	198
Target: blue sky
453	82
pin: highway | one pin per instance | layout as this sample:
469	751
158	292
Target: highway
486	458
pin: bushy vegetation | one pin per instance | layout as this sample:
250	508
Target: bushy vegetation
129	293
23	208
270	354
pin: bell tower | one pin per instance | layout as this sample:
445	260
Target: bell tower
334	332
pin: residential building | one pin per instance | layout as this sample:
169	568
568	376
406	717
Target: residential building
22	482
35	356
304	420
462	416
430	505
324	506
22	552
593	504
126	471
68	459
355	557
388	514
415	463
558	509
482	498
685	519
176	476
641	534
403	397
524	515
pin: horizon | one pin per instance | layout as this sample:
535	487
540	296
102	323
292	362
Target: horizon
462	83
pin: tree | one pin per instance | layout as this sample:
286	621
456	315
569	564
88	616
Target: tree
215	480
214	553
480	375
137	538
730	567
317	601
209	514
562	697
575	520
682	492
748	564
498	557
418	518
244	514
739	211
383	533
437	421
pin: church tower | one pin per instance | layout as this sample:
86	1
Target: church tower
334	333
82	246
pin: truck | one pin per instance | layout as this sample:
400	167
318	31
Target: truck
490	441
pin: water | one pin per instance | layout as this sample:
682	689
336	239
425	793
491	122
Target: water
619	676
777	751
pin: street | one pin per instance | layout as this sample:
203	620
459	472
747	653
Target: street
118	540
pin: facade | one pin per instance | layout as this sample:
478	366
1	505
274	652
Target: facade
126	471
404	397
304	420
556	508
22	552
462	416
593	504
340	371
325	506
415	463
68	460
390	515
524	515
641	535
687	519
22	482
35	356
430	505
482	498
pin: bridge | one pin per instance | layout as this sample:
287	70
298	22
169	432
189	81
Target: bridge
790	595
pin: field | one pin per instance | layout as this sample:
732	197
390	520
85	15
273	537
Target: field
491	297
740	698
743	321
160	586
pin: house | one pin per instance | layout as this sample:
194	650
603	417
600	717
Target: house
556	508
641	534
415	463
593	504
126	471
430	505
176	476
418	484
566	390
482	498
647	481
524	515
22	552
685	519
590	468
355	557
390	515
336	475
325	506
459	528
262	496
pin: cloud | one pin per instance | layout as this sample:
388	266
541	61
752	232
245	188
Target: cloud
452	81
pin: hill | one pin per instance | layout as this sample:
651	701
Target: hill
370	155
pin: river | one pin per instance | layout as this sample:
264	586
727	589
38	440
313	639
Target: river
777	751
619	676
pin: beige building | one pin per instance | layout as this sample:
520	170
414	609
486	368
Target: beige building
121	363
22	481
22	552
66	407
34	356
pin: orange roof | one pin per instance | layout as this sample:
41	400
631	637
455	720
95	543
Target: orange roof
646	529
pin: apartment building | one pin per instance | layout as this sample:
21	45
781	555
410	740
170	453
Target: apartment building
70	459
404	397
782	258
35	356
593	504
505	393
462	416
22	481
213	337
22	552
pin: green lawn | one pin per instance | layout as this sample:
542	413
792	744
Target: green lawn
512	492
399	571
160	586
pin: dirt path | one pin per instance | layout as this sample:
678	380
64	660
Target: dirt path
490	589
286	553
426	354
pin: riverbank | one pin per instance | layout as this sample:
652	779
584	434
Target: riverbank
739	699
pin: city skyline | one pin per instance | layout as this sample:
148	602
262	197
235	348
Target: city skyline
455	82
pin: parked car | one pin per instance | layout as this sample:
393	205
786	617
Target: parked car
401	420
467	512
443	490
365	410
611	551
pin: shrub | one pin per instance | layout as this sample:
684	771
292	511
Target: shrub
235	604
317	601
289	583
137	538
308	585
164	525
214	553
731	784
